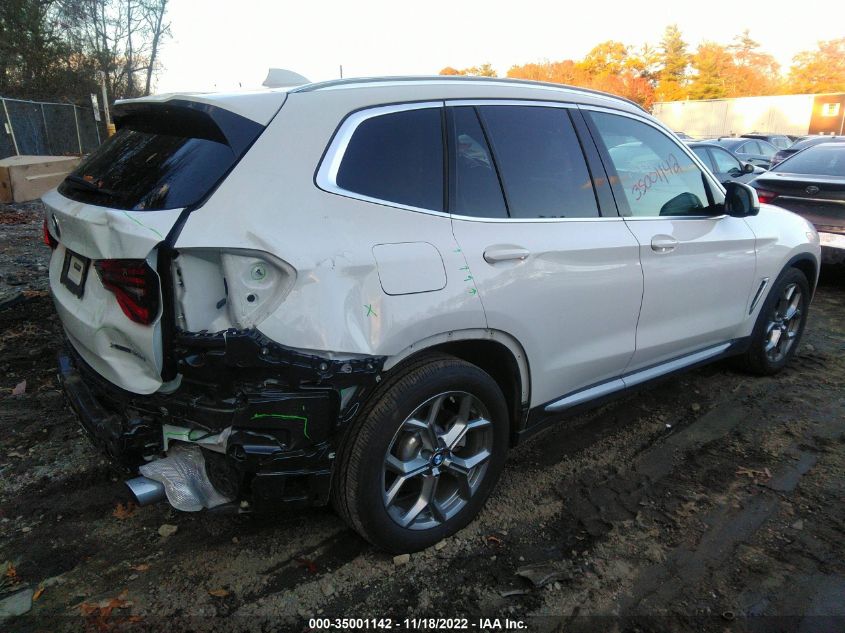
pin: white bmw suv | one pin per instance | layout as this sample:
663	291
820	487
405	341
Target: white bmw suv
363	292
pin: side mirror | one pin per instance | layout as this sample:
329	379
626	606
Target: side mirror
747	168
741	200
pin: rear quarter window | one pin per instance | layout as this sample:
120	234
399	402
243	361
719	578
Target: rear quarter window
701	152
397	157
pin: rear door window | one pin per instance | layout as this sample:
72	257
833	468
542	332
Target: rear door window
751	147
542	166
656	177
397	157
725	162
474	188
162	158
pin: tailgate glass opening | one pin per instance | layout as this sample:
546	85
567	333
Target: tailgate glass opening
164	156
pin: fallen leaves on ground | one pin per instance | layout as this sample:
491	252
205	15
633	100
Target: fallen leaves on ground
122	511
492	541
10	576
14	218
754	474
142	567
38	593
19	389
99	614
310	565
218	593
32	294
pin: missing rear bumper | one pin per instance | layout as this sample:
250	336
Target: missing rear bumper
267	418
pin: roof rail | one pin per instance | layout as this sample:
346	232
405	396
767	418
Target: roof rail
313	87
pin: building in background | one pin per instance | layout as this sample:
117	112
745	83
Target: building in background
783	114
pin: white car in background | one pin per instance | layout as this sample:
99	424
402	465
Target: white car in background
364	292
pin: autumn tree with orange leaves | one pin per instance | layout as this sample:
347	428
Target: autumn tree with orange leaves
671	71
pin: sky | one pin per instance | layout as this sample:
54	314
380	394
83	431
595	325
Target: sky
226	44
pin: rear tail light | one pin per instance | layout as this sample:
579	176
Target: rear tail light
134	284
766	196
49	240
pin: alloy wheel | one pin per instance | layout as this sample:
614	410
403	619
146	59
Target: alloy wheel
437	460
784	324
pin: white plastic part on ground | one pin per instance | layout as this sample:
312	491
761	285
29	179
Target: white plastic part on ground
183	475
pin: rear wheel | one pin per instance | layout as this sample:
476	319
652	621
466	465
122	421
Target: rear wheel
780	325
422	458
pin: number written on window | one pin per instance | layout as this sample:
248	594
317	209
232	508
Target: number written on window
657	177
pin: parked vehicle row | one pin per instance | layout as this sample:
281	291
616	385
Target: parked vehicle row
778	141
723	163
758	153
811	183
804	143
764	150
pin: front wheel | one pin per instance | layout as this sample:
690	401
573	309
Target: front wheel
422	458
780	325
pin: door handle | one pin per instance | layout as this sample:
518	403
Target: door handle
506	253
663	243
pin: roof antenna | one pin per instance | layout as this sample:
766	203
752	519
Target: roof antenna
283	78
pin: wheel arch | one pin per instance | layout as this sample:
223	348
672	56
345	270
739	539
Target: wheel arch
807	264
497	353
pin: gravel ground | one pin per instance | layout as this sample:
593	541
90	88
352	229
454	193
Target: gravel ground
692	506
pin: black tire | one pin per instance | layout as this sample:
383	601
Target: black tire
358	487
755	359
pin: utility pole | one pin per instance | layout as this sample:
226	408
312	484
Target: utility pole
109	127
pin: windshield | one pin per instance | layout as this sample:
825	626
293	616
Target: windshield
821	160
161	158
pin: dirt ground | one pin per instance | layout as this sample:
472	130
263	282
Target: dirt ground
692	506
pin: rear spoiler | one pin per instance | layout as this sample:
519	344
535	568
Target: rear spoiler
200	120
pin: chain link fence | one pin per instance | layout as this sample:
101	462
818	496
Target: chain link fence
35	128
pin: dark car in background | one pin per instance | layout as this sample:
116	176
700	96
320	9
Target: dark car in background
811	183
751	150
804	143
780	141
725	165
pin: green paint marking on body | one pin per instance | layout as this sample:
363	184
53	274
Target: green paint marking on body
464	268
370	311
473	291
141	224
469	278
281	416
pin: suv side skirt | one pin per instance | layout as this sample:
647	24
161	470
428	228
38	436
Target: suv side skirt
545	415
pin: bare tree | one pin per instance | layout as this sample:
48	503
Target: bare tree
124	38
156	30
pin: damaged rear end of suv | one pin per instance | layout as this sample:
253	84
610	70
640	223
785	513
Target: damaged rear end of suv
162	362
